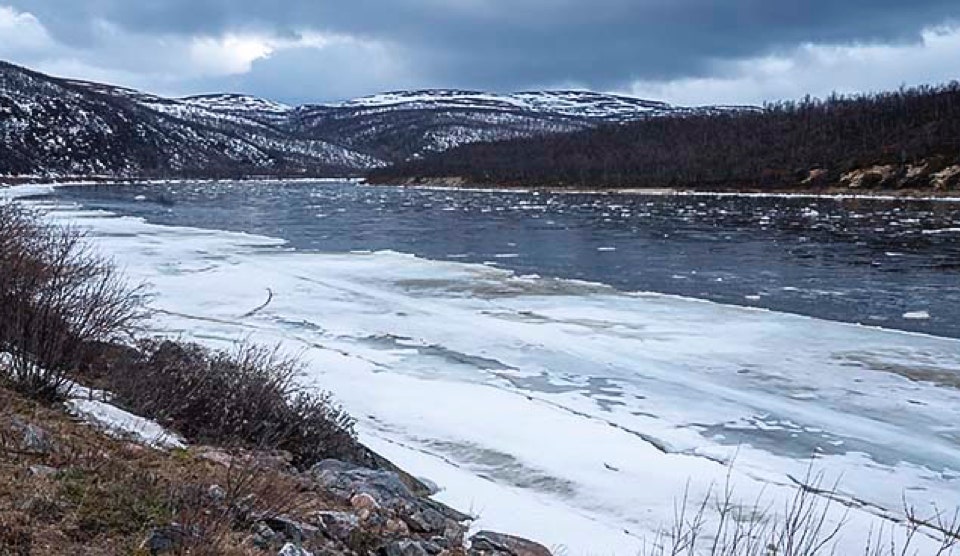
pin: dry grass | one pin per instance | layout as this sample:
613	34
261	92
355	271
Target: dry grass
107	495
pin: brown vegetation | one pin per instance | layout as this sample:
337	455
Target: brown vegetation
68	489
56	296
248	398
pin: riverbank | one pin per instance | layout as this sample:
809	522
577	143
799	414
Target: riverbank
836	192
90	476
12	181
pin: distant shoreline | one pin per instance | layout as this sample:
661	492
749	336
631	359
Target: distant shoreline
458	184
7	181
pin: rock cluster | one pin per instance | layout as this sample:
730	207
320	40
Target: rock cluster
933	173
379	514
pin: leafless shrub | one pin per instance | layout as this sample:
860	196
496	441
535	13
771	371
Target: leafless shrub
247	398
944	525
720	526
56	295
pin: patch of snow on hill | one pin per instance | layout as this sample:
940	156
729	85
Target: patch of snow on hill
237	103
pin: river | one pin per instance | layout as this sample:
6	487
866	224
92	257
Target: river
566	366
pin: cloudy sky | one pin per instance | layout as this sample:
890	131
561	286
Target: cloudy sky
682	51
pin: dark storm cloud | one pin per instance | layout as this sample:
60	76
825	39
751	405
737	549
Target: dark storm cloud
511	44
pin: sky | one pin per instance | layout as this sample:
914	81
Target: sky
688	52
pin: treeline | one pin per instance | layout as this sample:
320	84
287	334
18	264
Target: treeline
812	142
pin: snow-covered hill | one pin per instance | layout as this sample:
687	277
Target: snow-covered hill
574	104
51	126
403	125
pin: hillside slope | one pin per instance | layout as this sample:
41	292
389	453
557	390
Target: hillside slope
51	127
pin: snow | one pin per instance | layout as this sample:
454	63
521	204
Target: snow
291	549
92	406
122	424
576	104
237	103
566	411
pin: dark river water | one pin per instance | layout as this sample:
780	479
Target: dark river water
887	263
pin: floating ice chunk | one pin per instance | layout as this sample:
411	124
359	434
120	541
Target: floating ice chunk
942	231
140	198
916	315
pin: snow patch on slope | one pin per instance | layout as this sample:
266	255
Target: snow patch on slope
122	424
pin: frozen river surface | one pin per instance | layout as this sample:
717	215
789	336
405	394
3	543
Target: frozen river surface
560	405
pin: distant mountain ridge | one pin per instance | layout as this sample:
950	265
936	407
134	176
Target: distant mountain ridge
52	127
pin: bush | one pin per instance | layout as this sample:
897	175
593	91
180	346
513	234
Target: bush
720	526
64	312
247	398
56	296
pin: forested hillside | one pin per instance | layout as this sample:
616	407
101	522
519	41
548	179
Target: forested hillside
904	139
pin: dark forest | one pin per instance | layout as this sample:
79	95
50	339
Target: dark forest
914	133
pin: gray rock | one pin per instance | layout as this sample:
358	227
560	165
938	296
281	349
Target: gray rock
42	471
447	511
336	525
386	488
406	548
163	540
263	535
371	489
290	529
32	437
488	543
217	493
427	520
347	480
453	533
